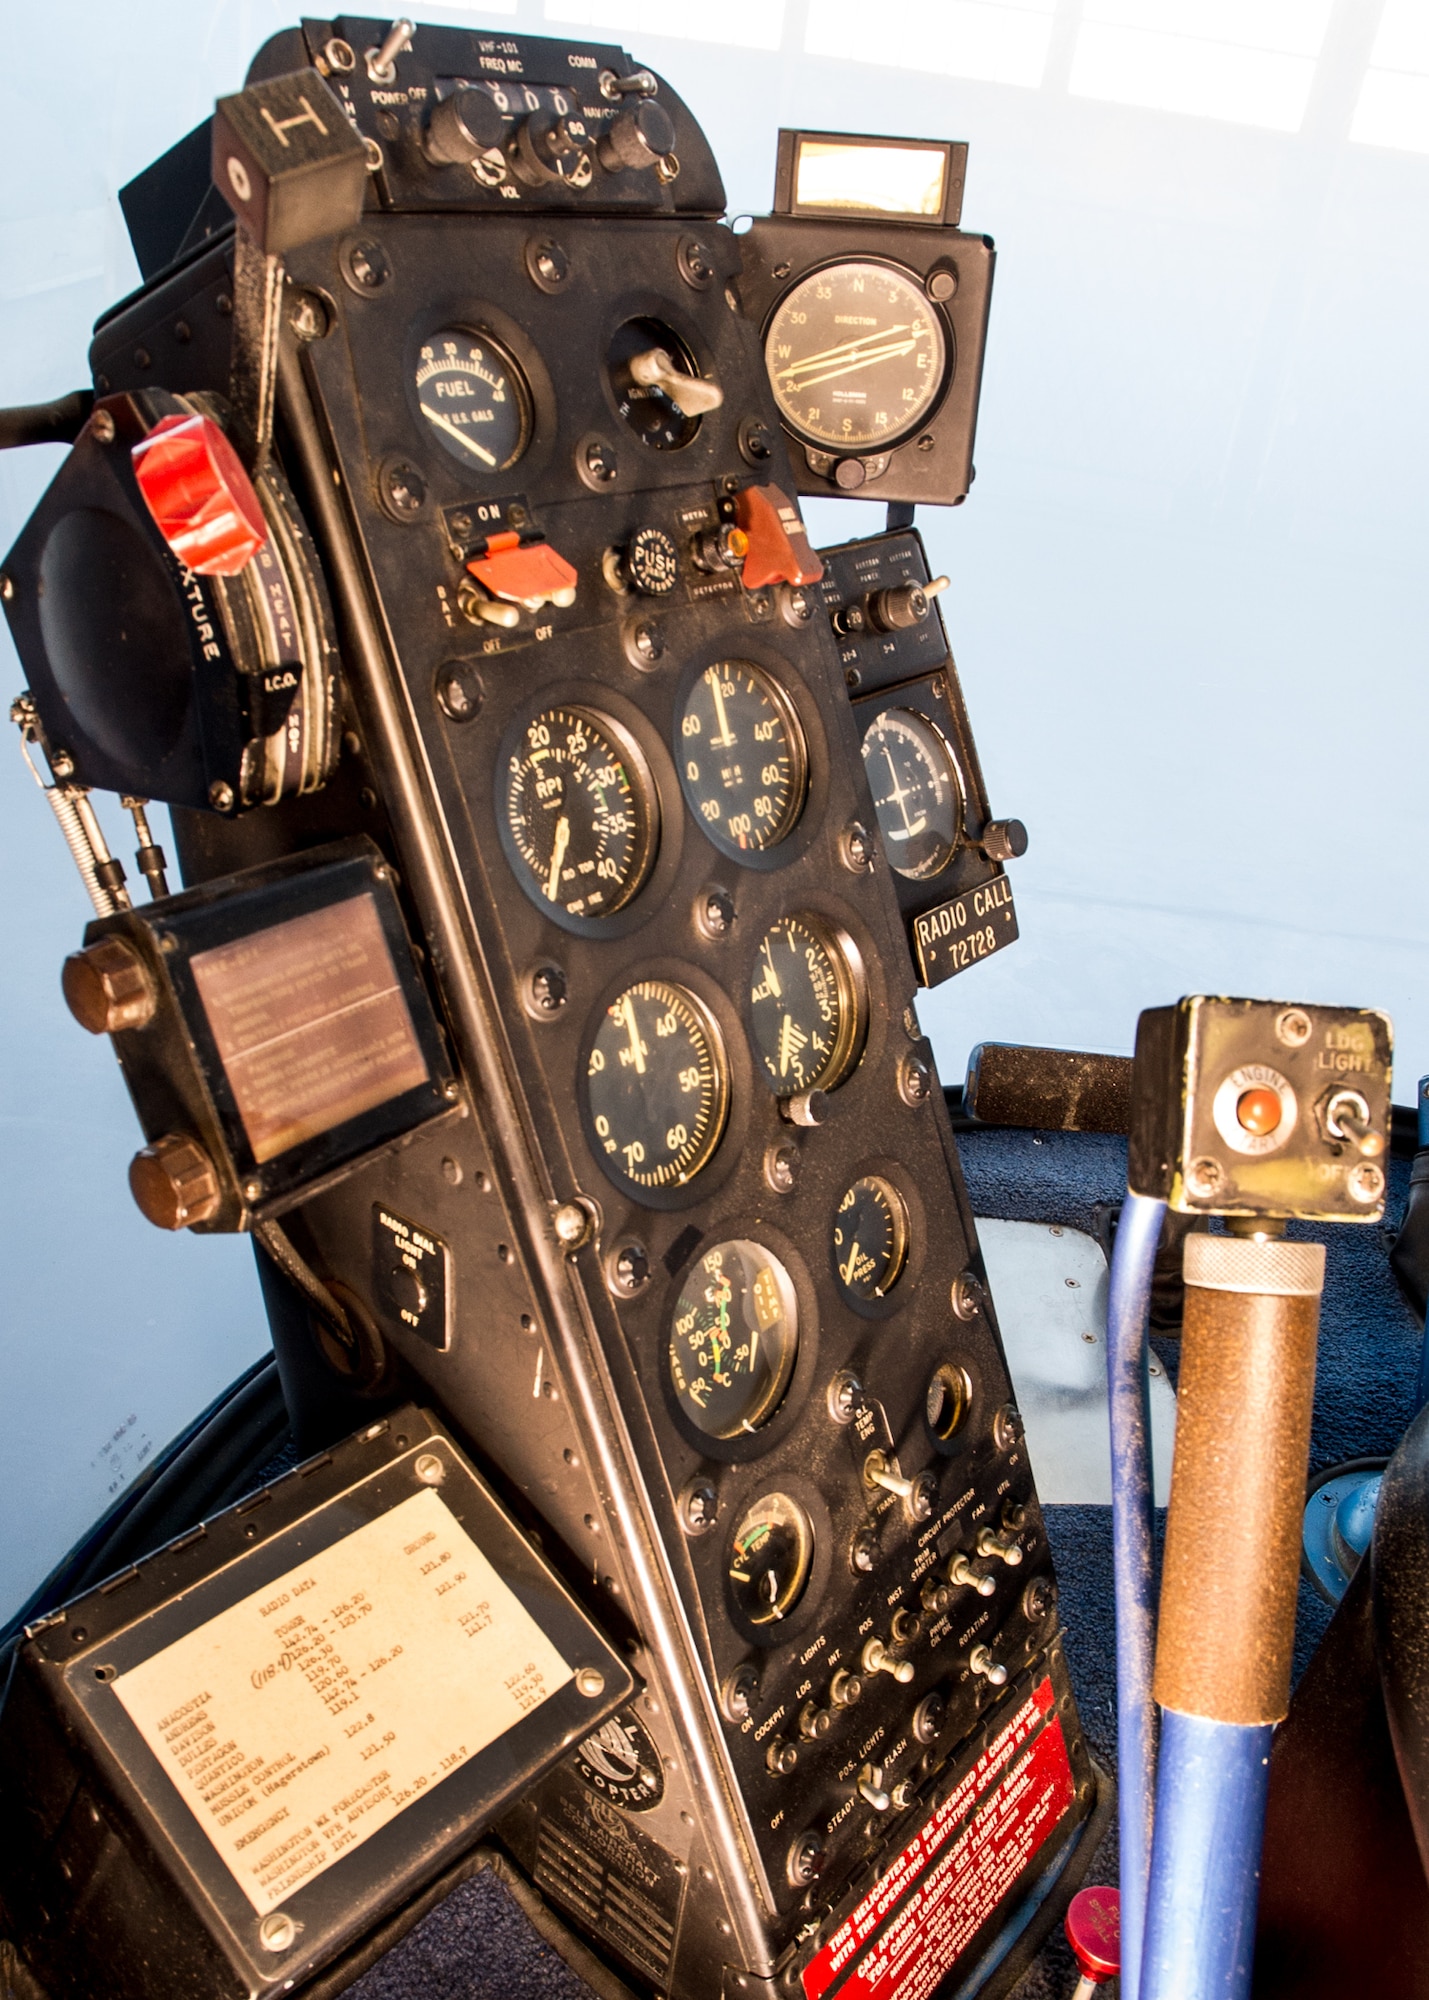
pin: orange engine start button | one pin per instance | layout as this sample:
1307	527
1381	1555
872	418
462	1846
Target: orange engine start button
1259	1111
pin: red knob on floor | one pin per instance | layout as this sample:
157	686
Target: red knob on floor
1094	1933
202	500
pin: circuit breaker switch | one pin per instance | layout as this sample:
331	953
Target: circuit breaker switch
1347	1117
779	550
531	574
960	1570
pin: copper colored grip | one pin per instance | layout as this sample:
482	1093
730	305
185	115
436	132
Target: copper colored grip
1232	1560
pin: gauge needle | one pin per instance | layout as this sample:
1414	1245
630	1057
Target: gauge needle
774	987
910	827
724	739
791	1040
637	1053
558	855
845	359
444	423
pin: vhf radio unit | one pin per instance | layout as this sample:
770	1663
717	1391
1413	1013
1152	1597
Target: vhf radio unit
563	843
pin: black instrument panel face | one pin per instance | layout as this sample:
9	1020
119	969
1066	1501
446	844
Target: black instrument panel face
685	948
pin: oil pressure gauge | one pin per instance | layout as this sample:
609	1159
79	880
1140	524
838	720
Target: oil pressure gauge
857	356
870	1240
474	397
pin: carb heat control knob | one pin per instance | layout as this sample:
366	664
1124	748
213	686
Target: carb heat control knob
462	127
637	138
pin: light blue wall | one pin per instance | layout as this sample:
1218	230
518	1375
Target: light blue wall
1189	591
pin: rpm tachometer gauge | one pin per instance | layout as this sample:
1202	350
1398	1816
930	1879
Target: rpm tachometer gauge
856	355
474	397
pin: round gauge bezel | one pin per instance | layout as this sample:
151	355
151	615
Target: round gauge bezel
697	1184
482	319
747	1446
798	717
904	1292
778	1387
851	979
960	815
842	447
642	302
521	387
960	1355
642	786
902	1225
761	1483
665	803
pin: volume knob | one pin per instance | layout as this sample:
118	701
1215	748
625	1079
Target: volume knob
637	138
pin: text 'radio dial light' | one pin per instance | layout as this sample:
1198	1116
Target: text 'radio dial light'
807	1005
580	811
742	759
770	1556
734	1338
916	791
474	398
856	355
657	1086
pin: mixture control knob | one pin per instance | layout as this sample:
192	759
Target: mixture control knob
462	127
814	1722
174	1182
1093	1924
1005	1547
960	1570
637	138
878	1660
692	395
107	987
993	1671
201	499
902	605
781	1757
550	148
870	1788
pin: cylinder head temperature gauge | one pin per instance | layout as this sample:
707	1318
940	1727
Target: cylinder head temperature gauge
733	1339
474	398
857	356
770	1558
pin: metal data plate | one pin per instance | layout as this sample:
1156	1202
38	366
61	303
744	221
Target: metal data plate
320	1703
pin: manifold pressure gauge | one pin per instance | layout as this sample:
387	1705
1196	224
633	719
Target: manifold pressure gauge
770	1558
580	812
733	1339
742	761
857	356
474	397
807	1005
870	1240
916	793
657	1086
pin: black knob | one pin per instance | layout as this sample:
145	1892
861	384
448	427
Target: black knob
1004	839
637	138
461	127
551	149
898	608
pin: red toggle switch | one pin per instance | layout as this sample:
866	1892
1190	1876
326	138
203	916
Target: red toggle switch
1094	1933
779	549
202	501
530	575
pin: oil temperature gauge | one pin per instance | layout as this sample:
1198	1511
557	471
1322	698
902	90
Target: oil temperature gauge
856	355
807	1005
733	1339
770	1558
474	397
916	792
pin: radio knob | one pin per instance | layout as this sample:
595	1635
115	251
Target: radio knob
107	987
903	605
201	499
637	138
463	127
550	149
174	1182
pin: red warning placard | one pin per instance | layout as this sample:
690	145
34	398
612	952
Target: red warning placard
926	1909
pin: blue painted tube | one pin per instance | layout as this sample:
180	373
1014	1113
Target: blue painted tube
1422	1392
1205	1868
1128	1391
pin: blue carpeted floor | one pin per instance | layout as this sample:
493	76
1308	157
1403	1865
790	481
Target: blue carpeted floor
478	1945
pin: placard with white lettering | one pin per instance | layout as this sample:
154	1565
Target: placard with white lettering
307	1715
960	932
